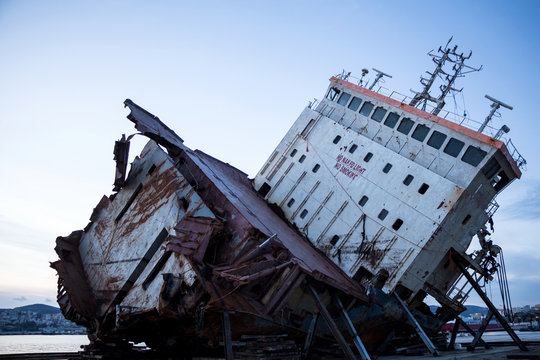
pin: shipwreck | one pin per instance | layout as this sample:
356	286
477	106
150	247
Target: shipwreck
366	207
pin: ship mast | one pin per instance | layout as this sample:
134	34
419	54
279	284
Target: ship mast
443	56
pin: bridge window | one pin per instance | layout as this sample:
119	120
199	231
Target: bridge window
420	132
500	181
436	139
454	146
391	120
491	168
332	94
344	99
355	103
366	108
378	114
473	155
405	126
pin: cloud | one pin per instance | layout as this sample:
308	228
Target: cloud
523	202
20	298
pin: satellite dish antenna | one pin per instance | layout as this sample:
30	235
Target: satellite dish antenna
364	73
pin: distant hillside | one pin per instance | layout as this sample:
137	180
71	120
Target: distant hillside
471	309
39	308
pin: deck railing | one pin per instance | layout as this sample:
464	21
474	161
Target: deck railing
462	119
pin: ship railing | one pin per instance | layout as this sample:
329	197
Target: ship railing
520	160
461	119
492	208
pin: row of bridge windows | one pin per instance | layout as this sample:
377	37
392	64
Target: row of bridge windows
472	155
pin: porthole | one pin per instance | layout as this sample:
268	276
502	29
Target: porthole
290	203
368	157
383	214
293	152
334	240
397	224
407	181
387	168
422	190
363	200
316	168
303	214
336	139
302	158
353	148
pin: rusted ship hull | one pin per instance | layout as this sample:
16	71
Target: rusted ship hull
185	240
185	255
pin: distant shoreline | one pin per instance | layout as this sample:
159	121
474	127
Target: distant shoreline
40	333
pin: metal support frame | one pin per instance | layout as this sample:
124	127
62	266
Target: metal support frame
490	305
481	331
227	336
352	331
332	325
432	349
467	327
454	334
309	337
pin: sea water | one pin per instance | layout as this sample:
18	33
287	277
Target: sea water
14	344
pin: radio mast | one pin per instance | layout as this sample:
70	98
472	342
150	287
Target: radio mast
450	66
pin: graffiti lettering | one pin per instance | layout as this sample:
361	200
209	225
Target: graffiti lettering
348	167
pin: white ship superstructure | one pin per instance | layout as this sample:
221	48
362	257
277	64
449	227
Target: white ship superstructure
379	184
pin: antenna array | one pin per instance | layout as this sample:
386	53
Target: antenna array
450	66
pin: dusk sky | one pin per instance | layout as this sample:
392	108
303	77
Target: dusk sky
230	77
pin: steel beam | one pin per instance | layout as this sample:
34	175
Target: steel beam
467	327
332	325
432	349
480	331
352	330
311	333
454	334
490	305
227	336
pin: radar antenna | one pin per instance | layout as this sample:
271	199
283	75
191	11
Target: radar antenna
448	76
380	74
495	105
